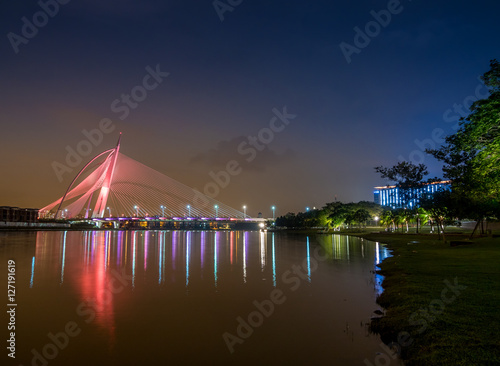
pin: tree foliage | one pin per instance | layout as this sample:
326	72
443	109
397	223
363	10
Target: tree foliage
333	215
406	176
471	156
479	134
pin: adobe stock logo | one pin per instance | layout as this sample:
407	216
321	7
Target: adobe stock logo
451	115
121	106
363	37
423	317
29	29
87	311
249	149
222	7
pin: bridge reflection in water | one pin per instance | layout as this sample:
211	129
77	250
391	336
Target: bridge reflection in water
157	252
170	285
175	252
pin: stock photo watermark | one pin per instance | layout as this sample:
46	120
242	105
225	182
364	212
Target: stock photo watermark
31	27
87	311
224	6
121	106
11	306
451	115
292	277
372	29
249	150
423	317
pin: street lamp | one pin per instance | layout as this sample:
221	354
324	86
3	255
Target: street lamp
376	218
189	210
162	211
216	211
244	212
274	211
307	209
136	211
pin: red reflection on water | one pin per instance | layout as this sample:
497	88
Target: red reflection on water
96	288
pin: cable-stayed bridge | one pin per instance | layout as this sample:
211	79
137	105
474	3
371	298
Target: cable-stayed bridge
115	187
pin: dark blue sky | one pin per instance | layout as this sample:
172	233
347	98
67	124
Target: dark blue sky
225	78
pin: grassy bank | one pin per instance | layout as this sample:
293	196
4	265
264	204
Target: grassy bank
457	326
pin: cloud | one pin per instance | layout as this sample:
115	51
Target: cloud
227	150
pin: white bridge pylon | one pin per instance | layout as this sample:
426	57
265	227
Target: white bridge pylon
114	185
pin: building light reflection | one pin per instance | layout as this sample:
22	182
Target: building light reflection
202	249
231	246
245	237
174	247
63	260
215	258
119	248
347	249
308	261
262	251
32	271
161	249
188	251
106	249
146	246
134	239
274	263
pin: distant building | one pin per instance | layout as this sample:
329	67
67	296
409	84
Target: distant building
16	214
393	197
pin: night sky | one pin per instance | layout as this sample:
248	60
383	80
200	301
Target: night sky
229	72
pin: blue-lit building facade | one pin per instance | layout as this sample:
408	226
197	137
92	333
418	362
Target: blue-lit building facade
392	196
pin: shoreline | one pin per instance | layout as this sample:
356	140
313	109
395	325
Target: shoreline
430	291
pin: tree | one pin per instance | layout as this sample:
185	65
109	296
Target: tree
373	208
421	217
405	216
406	175
311	218
349	218
471	156
398	219
441	209
480	133
388	219
337	214
361	216
403	173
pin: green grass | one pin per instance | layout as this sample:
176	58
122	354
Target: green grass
467	331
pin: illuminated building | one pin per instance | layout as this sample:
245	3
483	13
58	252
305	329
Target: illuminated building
394	196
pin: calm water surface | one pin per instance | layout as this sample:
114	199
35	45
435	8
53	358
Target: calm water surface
192	297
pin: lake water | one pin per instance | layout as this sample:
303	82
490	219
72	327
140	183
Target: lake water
191	298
